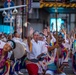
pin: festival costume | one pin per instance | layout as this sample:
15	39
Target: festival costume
64	53
74	56
37	49
52	59
4	65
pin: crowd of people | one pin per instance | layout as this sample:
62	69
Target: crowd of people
41	53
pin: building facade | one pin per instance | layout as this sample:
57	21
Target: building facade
39	14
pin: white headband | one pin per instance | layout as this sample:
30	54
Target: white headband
36	32
11	44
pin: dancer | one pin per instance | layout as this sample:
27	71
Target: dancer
74	54
4	62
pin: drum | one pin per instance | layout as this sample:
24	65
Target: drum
19	51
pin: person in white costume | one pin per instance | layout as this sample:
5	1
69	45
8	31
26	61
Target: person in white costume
20	56
38	50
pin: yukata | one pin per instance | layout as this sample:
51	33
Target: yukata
52	59
37	49
64	54
51	63
4	64
74	56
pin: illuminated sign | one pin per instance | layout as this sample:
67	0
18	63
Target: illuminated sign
6	29
60	24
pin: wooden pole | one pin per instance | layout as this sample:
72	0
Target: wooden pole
22	20
56	13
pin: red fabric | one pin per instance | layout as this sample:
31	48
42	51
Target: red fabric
32	69
8	0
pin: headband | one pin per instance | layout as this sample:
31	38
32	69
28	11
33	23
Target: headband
11	44
36	32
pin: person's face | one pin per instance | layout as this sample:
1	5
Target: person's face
75	36
41	38
55	35
45	30
6	48
17	35
60	39
10	37
36	37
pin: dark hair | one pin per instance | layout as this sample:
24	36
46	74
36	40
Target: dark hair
41	34
45	28
14	44
14	33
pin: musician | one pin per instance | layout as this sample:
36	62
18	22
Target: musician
38	49
19	52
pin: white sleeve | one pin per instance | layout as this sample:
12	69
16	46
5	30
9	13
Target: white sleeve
9	54
44	49
27	48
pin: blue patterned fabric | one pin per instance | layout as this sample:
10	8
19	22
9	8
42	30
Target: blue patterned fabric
52	67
